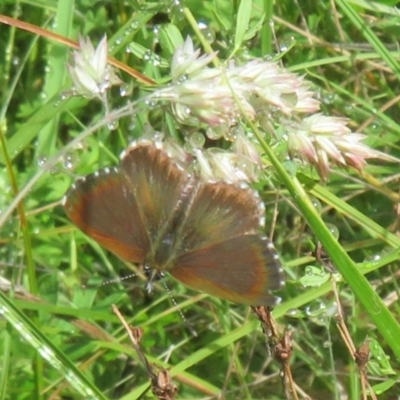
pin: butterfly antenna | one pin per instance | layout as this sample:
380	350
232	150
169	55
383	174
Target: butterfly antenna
174	302
109	281
154	275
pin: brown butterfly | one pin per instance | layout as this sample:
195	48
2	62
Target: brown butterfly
152	212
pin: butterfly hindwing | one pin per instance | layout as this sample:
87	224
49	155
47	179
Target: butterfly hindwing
243	270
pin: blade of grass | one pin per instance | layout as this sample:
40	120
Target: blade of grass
373	304
374	229
369	35
52	354
55	77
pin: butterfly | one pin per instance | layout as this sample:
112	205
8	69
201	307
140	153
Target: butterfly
151	211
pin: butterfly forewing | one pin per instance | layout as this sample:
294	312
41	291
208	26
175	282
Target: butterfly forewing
103	206
161	192
219	211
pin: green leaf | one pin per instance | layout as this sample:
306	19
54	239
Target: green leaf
242	22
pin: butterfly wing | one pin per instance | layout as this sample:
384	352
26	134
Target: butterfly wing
220	211
223	252
129	209
242	269
161	191
103	206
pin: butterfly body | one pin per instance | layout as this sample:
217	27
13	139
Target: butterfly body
206	234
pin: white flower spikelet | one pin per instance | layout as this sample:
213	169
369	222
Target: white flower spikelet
91	74
260	91
320	140
217	96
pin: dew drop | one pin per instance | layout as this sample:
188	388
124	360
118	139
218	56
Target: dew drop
54	170
246	165
113	125
156	60
334	230
151	102
124	90
309	270
197	140
183	78
315	309
176	11
295	313
216	132
230	134
69	160
316	203
207	32
42	161
314	276
156	32
328	98
376	127
147	55
135	24
284	46
128	31
65	95
373	258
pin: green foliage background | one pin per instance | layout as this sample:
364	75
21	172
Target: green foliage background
60	340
